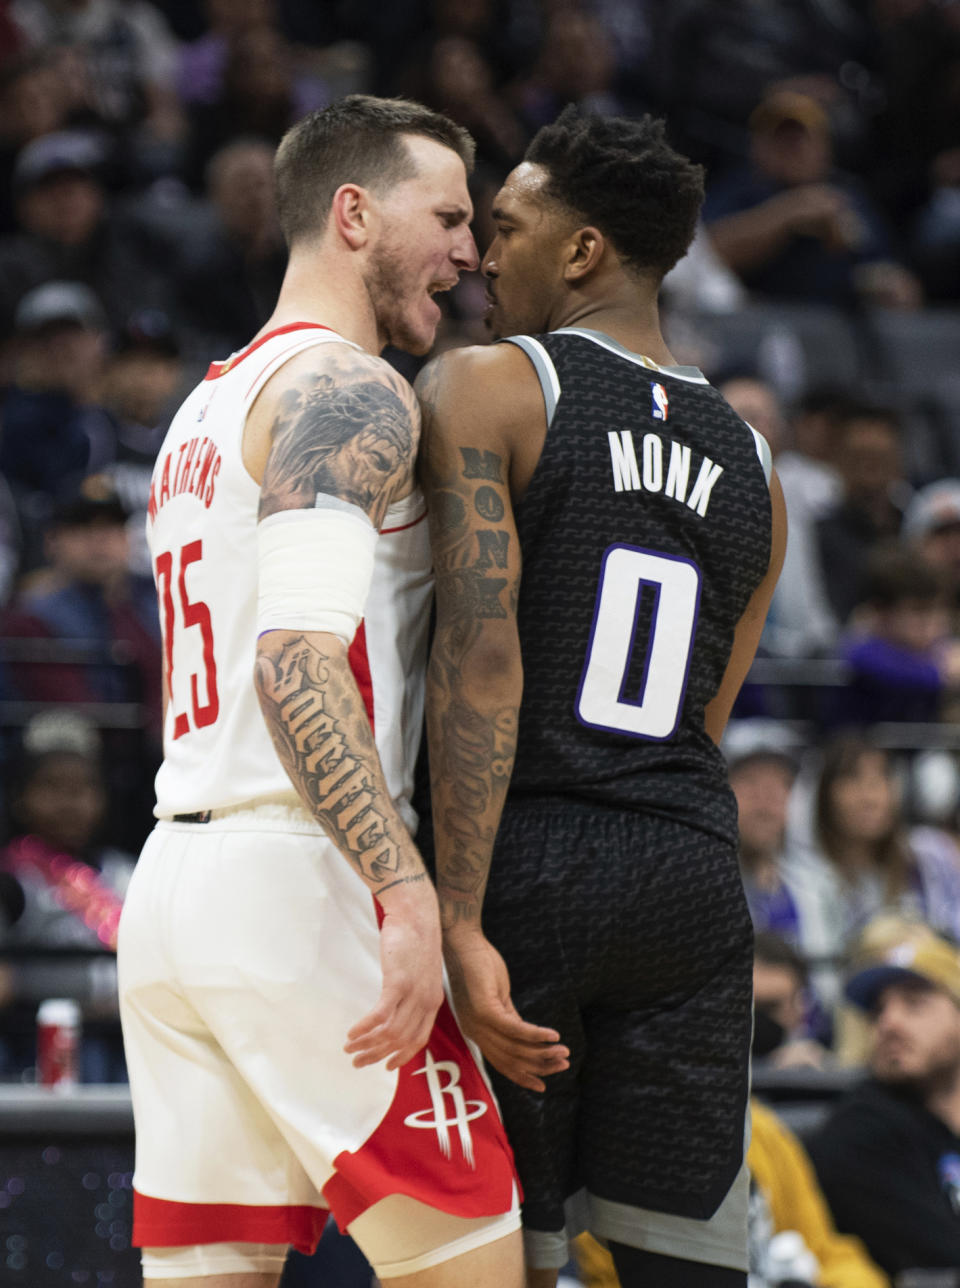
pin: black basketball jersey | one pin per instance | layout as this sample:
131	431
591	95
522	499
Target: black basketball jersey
645	530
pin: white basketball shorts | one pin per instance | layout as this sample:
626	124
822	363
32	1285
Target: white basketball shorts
248	947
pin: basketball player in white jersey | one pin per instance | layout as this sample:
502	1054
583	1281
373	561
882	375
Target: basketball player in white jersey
289	1045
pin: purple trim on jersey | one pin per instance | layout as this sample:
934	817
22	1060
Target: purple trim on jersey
630	733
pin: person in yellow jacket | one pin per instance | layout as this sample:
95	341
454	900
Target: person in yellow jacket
783	1175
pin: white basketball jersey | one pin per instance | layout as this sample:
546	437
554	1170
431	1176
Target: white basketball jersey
201	530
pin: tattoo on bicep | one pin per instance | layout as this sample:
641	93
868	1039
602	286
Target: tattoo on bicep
481	465
468	559
352	437
334	774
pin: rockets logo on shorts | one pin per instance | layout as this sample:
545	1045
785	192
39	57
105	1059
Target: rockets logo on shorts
463	1110
660	404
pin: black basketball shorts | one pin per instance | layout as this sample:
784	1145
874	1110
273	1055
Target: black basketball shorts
630	935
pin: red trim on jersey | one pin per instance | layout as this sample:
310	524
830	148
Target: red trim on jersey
219	368
441	1141
360	666
385	532
162	1223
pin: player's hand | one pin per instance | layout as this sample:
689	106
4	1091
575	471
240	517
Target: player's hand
411	958
523	1052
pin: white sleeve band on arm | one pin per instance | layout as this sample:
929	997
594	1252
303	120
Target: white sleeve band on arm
315	568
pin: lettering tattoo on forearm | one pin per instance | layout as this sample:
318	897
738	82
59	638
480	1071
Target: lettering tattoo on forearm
331	759
350	432
472	750
476	771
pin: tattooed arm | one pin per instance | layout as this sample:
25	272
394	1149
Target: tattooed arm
345	426
474	682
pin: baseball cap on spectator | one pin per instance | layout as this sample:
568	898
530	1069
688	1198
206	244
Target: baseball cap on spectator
63	152
148	330
934	507
788	107
892	950
59	302
96	503
61	729
760	739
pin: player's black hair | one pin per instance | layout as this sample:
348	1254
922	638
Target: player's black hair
623	177
358	139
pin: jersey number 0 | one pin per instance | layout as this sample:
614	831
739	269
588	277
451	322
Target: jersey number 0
627	576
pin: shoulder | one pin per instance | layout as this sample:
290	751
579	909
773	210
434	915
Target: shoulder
320	393
490	392
333	365
482	368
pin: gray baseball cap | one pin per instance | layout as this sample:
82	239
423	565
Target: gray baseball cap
65	302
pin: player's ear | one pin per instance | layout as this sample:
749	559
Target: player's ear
584	252
351	212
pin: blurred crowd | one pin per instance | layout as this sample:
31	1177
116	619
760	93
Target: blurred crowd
139	242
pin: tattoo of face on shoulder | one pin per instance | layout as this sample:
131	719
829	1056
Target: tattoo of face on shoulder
349	433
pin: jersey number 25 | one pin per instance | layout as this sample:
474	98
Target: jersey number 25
194	613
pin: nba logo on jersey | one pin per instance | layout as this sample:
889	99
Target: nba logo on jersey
660	403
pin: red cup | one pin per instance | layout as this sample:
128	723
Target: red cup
58	1043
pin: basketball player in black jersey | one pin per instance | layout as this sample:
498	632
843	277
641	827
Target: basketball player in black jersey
607	536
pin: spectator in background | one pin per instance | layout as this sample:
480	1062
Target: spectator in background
786	897
202	61
866	854
801	622
260	96
903	660
89	604
931	525
935	237
67	231
574	64
87	594
460	81
126	56
227	273
33	102
53	429
757	402
869	461
72	887
786	1201
714	59
912	111
144	374
795	228
888	1158
789	1029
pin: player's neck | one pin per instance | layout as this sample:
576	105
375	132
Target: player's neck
312	292
635	326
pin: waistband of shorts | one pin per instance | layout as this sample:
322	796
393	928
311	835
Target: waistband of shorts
283	813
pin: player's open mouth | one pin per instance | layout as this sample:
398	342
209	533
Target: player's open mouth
437	288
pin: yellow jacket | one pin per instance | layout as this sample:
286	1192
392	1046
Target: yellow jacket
783	1172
